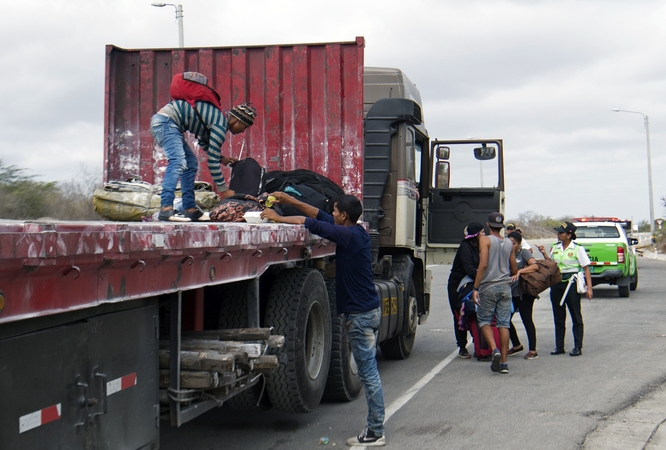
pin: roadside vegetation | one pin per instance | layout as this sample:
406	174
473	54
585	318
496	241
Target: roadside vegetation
23	197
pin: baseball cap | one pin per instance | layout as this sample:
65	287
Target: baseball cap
510	226
566	227
496	220
472	230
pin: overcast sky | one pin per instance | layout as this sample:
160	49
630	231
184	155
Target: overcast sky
542	75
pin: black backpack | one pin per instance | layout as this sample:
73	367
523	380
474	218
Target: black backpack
305	185
246	177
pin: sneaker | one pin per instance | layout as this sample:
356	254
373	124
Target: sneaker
515	350
463	353
196	216
170	215
368	439
495	365
531	355
504	368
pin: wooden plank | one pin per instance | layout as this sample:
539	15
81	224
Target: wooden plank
232	334
265	363
253	350
202	360
192	380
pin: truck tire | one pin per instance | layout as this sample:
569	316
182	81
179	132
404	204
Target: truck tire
623	291
299	310
233	314
400	347
251	399
343	383
633	284
233	306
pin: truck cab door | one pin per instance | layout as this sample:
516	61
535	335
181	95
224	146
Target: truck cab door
466	184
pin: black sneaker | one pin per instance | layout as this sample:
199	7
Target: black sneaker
170	215
196	216
463	353
368	439
495	364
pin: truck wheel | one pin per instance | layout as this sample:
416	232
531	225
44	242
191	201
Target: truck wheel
343	383
233	305
250	399
623	291
400	347
299	310
634	281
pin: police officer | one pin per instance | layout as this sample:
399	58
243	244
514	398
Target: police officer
571	259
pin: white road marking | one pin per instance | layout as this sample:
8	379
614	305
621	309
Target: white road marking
411	392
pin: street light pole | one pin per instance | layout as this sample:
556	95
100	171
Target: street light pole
179	18
646	122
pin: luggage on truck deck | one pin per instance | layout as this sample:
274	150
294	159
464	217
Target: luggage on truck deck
132	200
246	177
305	185
233	208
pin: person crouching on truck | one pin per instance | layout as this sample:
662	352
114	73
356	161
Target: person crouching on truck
210	125
355	295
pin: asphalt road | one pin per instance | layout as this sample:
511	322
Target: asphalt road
552	402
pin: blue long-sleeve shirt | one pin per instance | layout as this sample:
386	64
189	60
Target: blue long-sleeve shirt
354	286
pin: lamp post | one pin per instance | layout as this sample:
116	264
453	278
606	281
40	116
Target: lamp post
179	18
646	121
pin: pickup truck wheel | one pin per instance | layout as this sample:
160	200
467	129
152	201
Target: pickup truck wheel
299	310
634	281
623	291
343	383
400	347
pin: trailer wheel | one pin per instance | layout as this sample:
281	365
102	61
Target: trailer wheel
401	346
299	310
343	383
251	399
233	305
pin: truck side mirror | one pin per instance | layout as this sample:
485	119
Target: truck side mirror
633	241
443	152
442	179
484	153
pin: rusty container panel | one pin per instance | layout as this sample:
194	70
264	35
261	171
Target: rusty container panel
309	99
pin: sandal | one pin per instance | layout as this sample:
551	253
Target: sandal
515	350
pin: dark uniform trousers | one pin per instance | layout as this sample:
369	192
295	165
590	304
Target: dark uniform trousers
560	314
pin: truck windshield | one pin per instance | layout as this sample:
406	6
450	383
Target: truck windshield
468	172
600	232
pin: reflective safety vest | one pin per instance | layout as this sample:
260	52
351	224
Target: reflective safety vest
567	259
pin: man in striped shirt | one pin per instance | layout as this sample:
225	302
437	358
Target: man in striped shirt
210	125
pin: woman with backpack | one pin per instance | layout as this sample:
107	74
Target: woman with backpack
571	259
465	263
522	302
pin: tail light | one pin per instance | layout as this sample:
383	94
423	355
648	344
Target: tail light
620	255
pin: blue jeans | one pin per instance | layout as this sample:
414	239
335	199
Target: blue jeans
362	334
494	301
182	162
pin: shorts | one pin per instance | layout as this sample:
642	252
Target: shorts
495	301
